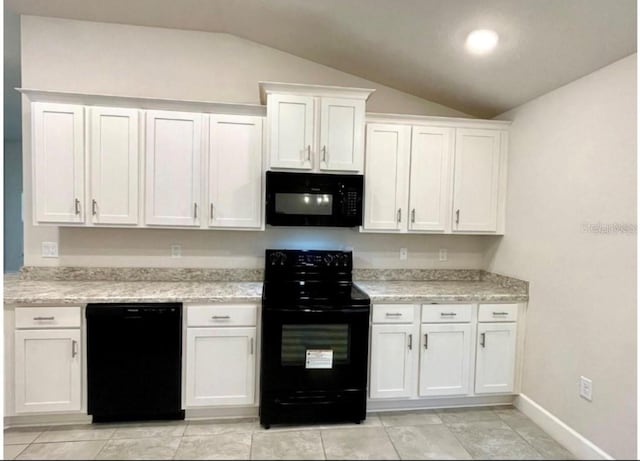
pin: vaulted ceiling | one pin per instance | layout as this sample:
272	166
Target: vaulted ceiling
415	46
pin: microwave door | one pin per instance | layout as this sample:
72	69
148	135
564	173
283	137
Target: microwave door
304	204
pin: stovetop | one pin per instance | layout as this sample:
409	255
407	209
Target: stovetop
310	277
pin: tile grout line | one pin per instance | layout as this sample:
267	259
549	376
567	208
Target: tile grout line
324	450
390	439
519	435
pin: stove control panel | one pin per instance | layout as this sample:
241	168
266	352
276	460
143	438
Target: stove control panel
308	259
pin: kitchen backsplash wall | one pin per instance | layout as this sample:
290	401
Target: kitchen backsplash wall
91	57
235	249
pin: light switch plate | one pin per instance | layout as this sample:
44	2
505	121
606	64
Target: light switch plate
586	388
403	254
442	256
176	251
49	249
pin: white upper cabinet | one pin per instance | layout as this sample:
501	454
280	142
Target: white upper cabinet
114	165
386	171
58	163
430	178
315	128
341	134
454	180
173	167
291	127
235	171
476	180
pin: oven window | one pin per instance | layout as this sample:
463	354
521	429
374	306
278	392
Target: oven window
296	339
304	204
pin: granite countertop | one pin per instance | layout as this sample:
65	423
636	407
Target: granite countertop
18	290
435	291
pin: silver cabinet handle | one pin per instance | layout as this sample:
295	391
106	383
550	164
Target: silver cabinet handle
211	211
393	314
410	342
44	318
94	206
399	214
413	215
324	154
220	317
482	340
195	211
500	313
448	314
77	206
457	217
426	341
251	347
74	348
309	153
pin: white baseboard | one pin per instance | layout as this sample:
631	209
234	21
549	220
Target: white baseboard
578	445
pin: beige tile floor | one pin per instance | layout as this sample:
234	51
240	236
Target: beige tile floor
471	433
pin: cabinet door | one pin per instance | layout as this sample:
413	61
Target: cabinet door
496	356
341	134
114	165
444	359
393	349
429	192
173	168
291	126
235	171
220	366
386	177
476	180
47	370
58	163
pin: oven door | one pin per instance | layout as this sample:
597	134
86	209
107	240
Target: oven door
314	350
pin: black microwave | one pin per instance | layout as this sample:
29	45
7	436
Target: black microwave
314	199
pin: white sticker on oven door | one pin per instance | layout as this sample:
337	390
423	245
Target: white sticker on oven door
319	358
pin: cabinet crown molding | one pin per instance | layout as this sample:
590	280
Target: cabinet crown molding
312	90
143	103
431	120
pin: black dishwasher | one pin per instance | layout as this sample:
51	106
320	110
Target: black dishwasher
134	361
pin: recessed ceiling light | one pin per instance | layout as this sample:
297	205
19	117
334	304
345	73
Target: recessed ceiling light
481	41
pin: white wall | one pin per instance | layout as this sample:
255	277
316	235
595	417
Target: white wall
116	59
572	162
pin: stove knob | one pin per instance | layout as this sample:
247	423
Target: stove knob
283	258
328	259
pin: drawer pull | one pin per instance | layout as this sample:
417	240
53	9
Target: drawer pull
410	342
220	317
482	340
74	348
448	314
44	318
393	314
426	341
500	313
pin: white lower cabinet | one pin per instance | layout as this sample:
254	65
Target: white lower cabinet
48	362
221	360
496	357
393	352
444	359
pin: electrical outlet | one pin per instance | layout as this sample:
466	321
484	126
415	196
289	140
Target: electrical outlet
586	388
443	254
49	249
403	254
176	251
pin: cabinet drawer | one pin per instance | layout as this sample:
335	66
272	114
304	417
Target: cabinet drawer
498	313
206	315
393	313
446	313
48	317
